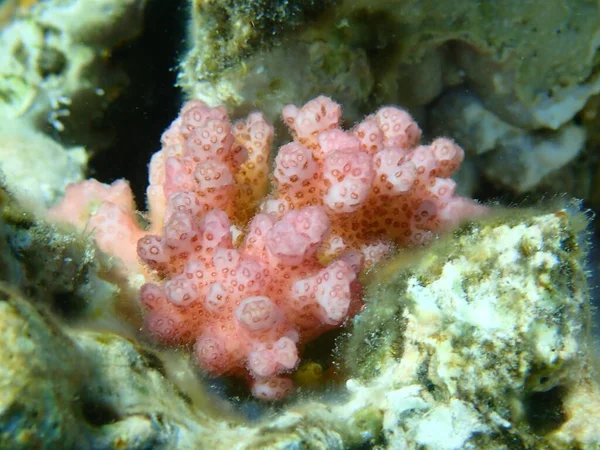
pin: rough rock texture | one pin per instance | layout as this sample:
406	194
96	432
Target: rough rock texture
541	60
531	67
54	78
39	379
481	342
224	37
36	167
509	156
74	389
484	327
58	268
52	59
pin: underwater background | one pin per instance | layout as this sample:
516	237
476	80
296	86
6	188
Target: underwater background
272	224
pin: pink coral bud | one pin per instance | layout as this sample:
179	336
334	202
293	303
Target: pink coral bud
194	103
258	313
153	250
442	188
115	231
276	207
211	355
393	175
250	275
181	291
310	221
216	298
183	202
199	274
275	388
399	128
294	164
257	234
215	227
303	293
261	363
347	164
218	113
449	156
165	328
119	193
424	160
173	135
317	115
287	245
195	114
260	130
178	175
369	135
458	209
173	151
295	237
196	270
156	168
152	297
155	198
346	196
354	259
225	259
83	198
270	360
286	353
212	175
180	229
212	141
336	139
289	114
375	252
333	291
253	139
350	175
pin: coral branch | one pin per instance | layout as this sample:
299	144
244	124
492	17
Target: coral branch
247	290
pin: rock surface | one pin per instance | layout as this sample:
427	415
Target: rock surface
480	342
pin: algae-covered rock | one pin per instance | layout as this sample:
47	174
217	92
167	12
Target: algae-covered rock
40	375
479	342
57	267
36	167
56	81
489	328
231	29
75	389
131	399
52	61
530	65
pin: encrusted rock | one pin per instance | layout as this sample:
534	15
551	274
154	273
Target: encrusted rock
532	67
509	156
489	328
479	342
40	375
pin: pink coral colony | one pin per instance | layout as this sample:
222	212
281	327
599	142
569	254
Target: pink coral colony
247	277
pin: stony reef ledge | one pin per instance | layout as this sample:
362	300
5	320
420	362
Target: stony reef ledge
483	338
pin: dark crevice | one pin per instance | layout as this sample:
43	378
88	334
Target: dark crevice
545	411
98	414
149	103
